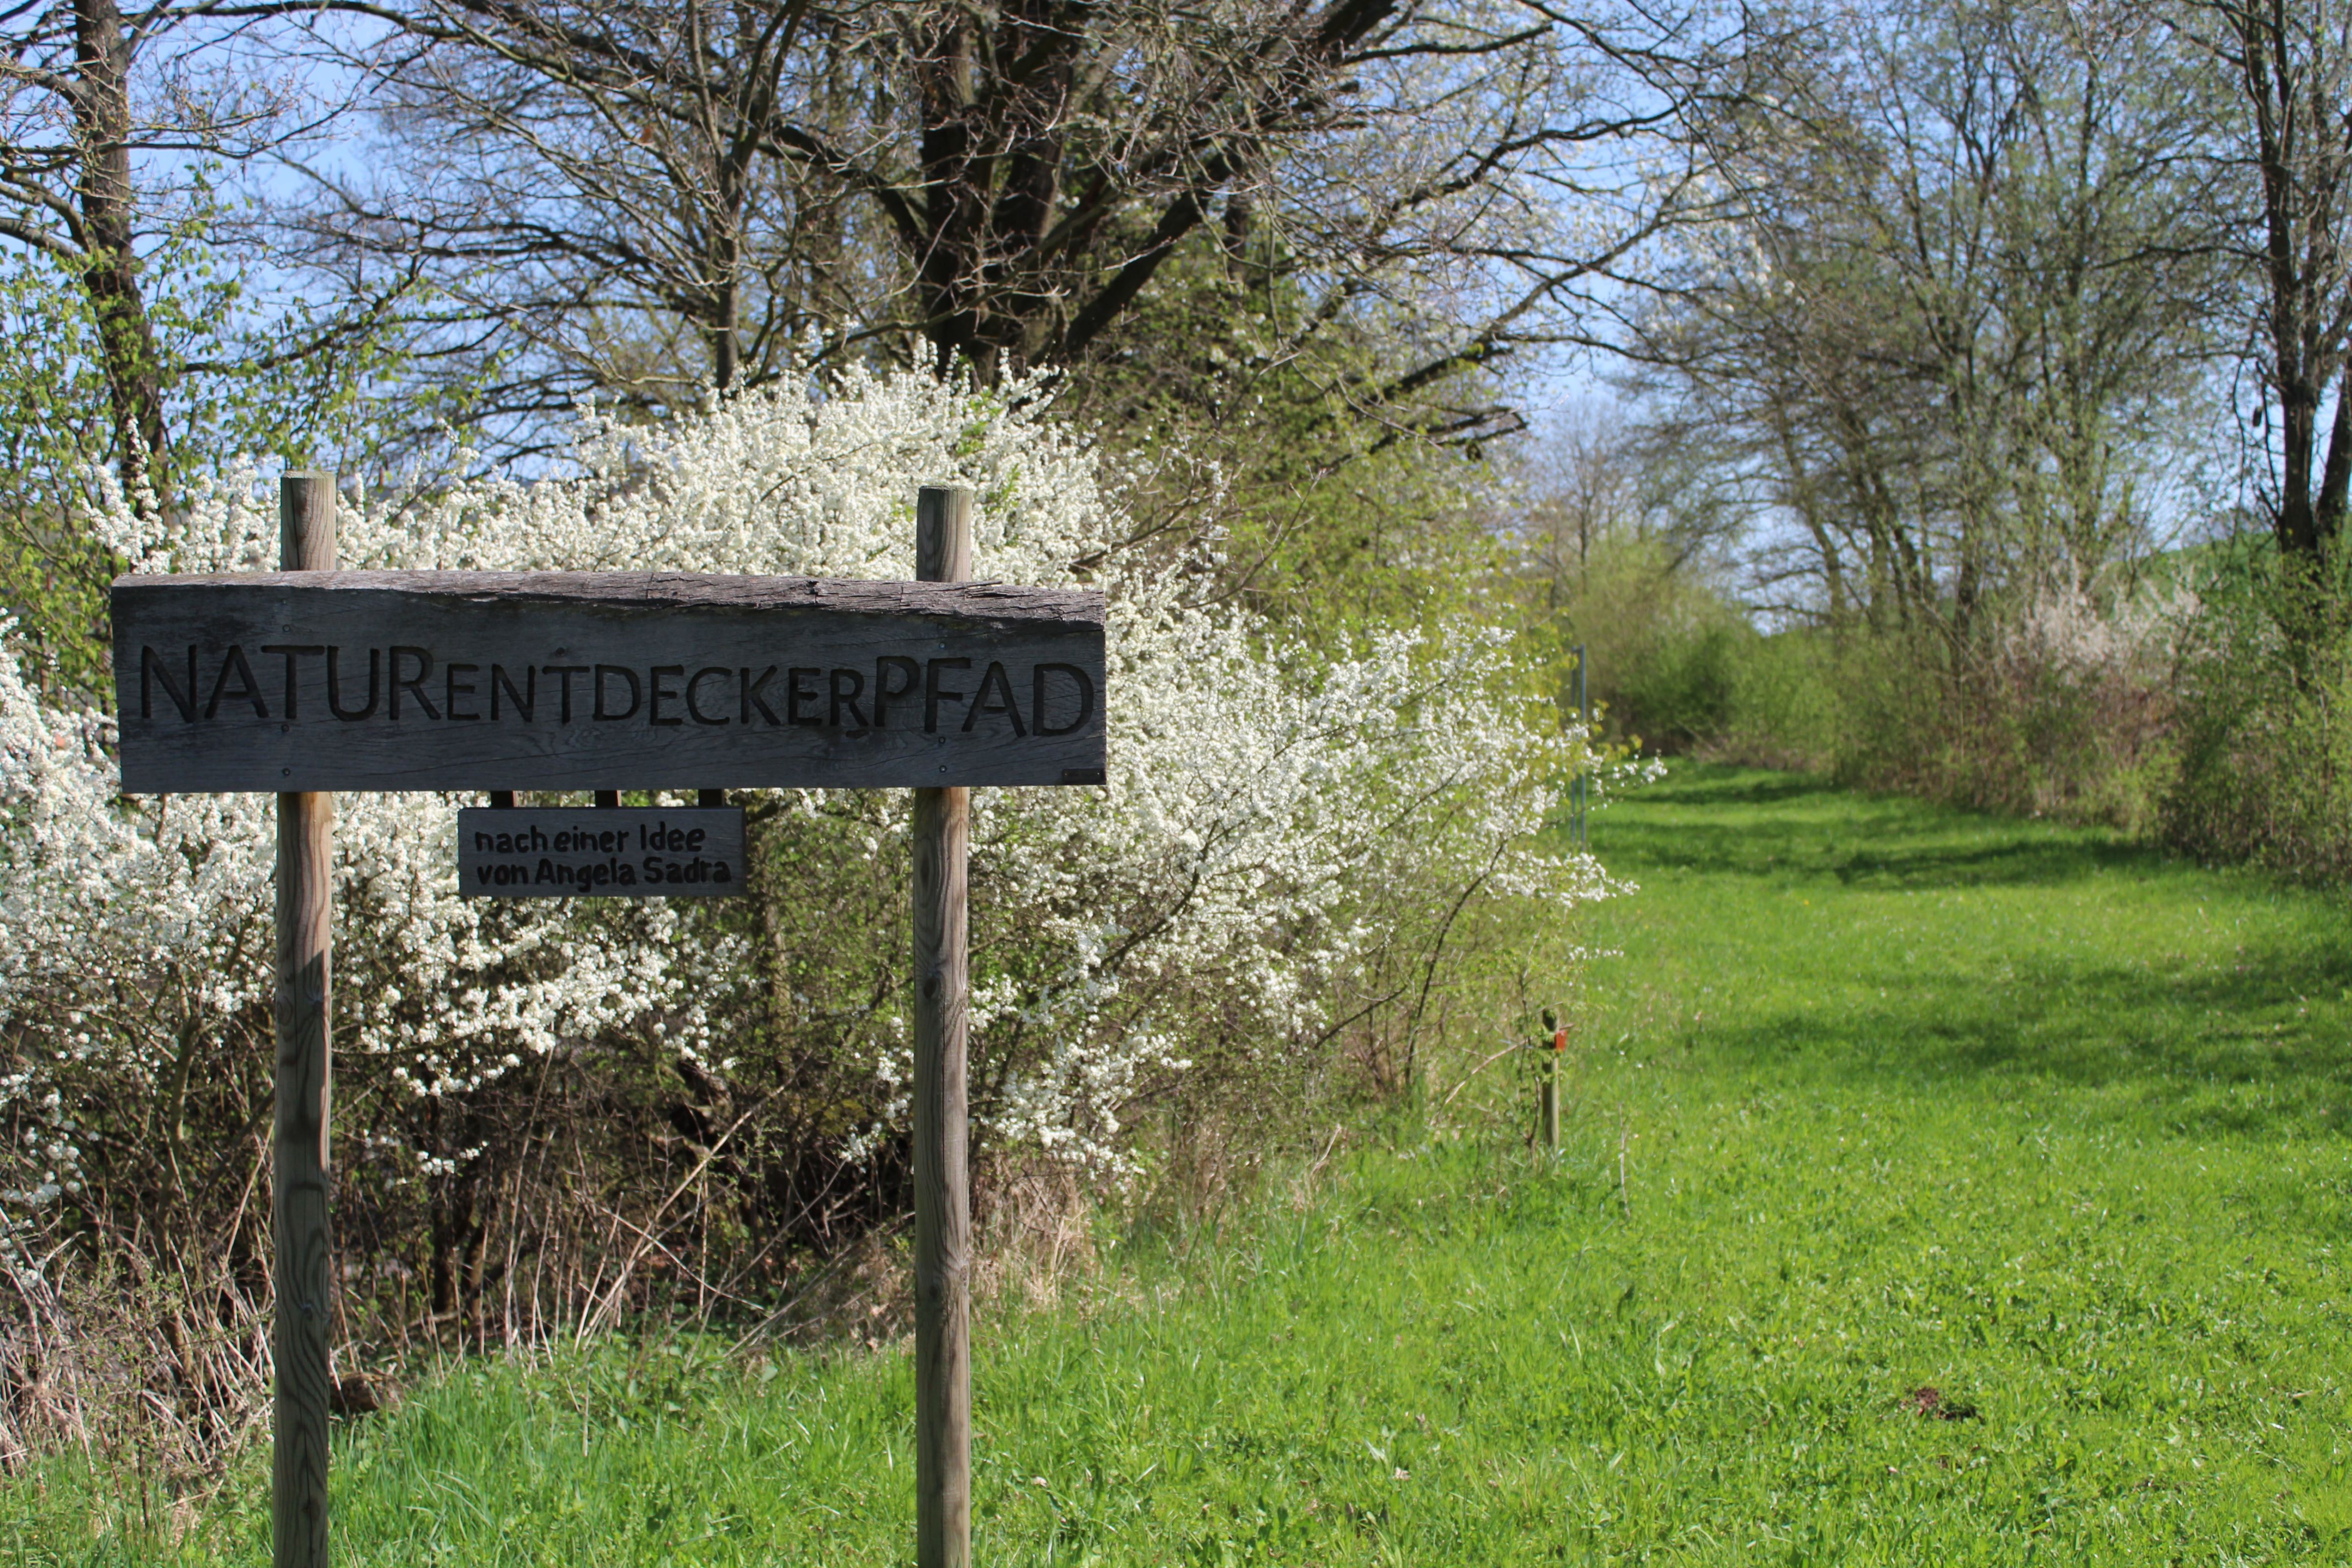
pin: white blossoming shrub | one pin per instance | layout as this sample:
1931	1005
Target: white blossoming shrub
1283	847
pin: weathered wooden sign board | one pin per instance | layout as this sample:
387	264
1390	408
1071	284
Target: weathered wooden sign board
563	681
311	680
600	852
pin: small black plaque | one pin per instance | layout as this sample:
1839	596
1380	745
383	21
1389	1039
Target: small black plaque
600	852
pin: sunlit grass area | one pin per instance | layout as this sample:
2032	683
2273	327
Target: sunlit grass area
1936	1189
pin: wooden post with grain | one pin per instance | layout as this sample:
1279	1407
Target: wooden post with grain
942	1185
306	846
1547	1093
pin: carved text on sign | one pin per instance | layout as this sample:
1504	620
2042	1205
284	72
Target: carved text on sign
1060	696
566	681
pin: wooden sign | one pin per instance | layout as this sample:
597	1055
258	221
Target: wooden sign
600	852
311	680
566	681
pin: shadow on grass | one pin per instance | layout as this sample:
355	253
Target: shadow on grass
1880	841
2269	1012
2003	865
1707	783
1761	849
2085	1024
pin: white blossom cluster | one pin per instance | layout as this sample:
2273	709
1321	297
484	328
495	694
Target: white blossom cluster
2063	629
1258	802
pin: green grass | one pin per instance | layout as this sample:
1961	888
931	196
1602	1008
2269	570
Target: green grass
1903	1099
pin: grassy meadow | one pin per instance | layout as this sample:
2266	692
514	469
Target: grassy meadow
1937	1189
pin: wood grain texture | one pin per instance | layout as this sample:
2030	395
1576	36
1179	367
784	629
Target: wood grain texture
301	1169
678	590
942	1185
456	680
305	522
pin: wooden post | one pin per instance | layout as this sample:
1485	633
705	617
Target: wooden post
942	1185
1580	786
306	846
1551	1105
1547	1092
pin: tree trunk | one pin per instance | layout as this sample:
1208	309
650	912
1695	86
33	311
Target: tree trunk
2304	152
951	204
109	275
726	348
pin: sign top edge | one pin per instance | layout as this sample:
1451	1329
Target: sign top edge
683	589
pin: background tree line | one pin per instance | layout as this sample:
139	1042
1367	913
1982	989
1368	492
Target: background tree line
1992	438
1921	311
1312	235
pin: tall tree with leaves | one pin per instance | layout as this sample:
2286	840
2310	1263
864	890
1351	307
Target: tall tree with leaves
2285	74
67	133
653	196
1967	287
133	329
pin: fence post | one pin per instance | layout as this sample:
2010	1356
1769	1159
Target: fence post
942	1185
1547	1092
299	1186
1584	716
